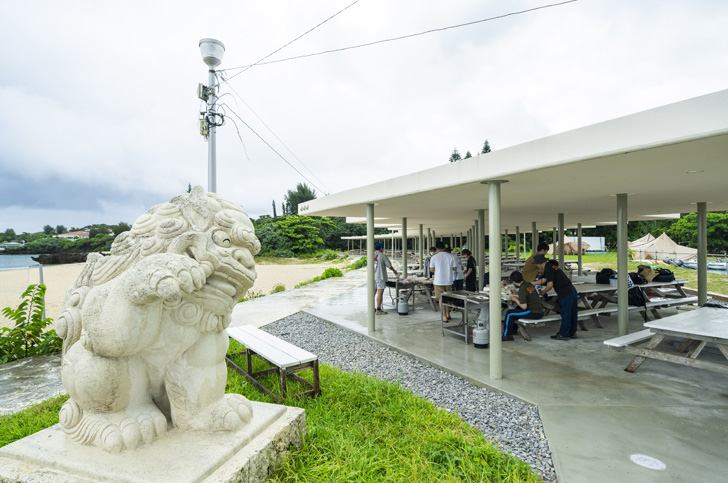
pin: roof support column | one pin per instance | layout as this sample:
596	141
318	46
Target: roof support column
422	250
370	268
622	268
578	246
494	211
506	243
561	241
702	253
404	247
452	242
480	245
429	238
518	244
534	237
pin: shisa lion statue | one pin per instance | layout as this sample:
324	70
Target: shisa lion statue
143	329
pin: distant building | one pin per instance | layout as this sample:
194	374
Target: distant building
74	235
5	245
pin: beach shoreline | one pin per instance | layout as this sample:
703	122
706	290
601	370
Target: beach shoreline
58	278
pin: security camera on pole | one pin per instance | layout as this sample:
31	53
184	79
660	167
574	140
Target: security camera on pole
212	51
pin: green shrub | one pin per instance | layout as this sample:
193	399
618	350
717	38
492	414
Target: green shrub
331	272
278	288
329	254
362	262
28	337
252	294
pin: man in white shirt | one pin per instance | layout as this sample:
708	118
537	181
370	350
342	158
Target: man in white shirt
442	266
381	263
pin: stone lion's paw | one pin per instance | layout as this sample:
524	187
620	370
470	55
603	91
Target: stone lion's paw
231	412
179	276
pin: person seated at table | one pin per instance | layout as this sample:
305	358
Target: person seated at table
381	263
426	272
530	270
470	275
442	267
528	302
566	294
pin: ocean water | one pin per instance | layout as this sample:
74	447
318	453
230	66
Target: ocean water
11	262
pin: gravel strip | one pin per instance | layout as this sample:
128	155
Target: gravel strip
512	424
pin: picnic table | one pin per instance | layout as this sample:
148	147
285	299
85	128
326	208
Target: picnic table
696	328
411	286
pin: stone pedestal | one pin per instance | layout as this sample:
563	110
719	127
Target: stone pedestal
245	455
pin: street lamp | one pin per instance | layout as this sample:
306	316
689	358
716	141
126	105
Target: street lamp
212	51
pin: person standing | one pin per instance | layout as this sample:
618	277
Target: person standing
426	272
381	263
443	270
530	270
528	302
567	295
459	278
470	276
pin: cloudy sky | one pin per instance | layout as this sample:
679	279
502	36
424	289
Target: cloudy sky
99	116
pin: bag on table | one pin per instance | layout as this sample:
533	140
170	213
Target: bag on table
604	275
637	279
664	275
647	272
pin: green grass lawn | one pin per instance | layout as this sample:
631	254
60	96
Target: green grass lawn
717	282
359	430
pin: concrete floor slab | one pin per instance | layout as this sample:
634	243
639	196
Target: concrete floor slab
595	414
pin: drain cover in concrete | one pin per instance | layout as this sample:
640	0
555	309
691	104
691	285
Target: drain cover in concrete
648	462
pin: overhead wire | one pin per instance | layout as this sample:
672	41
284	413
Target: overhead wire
327	190
289	43
274	150
368	44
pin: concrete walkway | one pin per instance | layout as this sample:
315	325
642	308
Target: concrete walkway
597	417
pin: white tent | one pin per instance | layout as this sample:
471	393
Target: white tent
641	241
571	247
661	247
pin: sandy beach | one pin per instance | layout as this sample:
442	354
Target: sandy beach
59	277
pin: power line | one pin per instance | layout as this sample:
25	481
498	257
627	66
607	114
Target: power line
368	44
274	149
289	43
327	191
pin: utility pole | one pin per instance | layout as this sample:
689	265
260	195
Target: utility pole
212	51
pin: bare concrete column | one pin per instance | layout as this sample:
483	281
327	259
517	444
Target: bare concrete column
506	243
622	267
561	241
422	249
429	238
534	237
481	248
404	247
518	245
702	253
370	268
578	245
494	209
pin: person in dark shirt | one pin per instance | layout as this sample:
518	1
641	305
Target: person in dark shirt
470	272
529	305
567	296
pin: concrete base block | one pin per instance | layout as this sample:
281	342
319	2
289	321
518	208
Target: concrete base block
246	455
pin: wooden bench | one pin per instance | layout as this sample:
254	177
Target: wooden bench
582	314
286	359
654	305
629	339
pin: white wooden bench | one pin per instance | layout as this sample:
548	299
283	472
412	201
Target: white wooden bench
629	339
663	303
286	359
582	314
